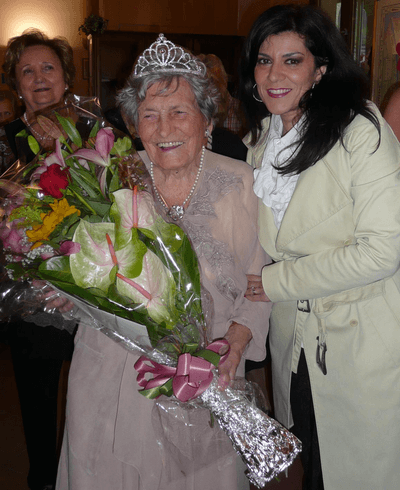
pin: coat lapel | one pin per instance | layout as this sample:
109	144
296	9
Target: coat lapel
318	196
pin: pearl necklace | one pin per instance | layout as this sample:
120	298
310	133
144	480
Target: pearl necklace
176	211
35	132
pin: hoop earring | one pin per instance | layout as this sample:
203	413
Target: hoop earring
258	100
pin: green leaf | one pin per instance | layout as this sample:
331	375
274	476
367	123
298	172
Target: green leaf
94	130
64	230
113	274
121	146
23	134
57	268
101	207
85	180
147	233
33	144
71	130
115	183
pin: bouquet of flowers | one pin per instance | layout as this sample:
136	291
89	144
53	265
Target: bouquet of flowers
82	219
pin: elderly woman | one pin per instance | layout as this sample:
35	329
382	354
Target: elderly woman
109	441
41	70
327	176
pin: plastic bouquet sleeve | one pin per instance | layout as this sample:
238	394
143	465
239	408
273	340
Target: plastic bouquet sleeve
81	218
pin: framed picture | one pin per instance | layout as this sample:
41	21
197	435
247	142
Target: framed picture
85	68
385	75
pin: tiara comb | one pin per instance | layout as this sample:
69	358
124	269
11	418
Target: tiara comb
165	56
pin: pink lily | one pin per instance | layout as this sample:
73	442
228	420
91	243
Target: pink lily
103	146
55	157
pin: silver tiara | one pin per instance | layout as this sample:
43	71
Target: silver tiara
165	56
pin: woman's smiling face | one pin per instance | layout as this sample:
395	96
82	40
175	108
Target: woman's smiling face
171	125
40	77
285	70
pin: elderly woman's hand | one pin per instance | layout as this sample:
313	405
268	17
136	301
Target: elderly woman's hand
255	291
52	299
238	337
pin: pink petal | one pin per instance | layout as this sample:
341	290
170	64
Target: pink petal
91	155
55	157
39	171
83	163
104	142
46	256
69	247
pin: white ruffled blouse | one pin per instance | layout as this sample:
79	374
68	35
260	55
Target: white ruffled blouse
274	189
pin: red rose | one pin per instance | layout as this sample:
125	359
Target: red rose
54	179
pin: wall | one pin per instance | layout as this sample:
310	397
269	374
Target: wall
63	18
55	18
249	10
224	17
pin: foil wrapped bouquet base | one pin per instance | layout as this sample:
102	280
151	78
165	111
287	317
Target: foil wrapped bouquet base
265	446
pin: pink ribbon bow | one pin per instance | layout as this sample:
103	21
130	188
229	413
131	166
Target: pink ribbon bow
191	377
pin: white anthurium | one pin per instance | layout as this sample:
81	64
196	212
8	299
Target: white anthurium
132	209
141	276
156	289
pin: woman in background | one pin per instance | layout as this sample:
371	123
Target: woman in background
8	111
41	71
8	106
328	179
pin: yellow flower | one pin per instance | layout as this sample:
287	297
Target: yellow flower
60	210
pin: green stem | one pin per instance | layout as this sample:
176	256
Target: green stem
82	200
64	142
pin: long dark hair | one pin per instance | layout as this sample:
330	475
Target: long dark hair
333	103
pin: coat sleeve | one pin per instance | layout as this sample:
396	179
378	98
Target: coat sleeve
373	253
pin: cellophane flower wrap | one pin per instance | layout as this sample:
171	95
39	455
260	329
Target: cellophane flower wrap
81	217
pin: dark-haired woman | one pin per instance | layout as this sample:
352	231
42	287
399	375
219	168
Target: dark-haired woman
328	179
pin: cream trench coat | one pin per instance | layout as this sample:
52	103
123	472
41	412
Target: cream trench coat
339	247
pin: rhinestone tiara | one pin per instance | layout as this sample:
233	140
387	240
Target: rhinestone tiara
165	56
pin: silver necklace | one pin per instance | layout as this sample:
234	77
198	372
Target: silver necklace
177	211
35	132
